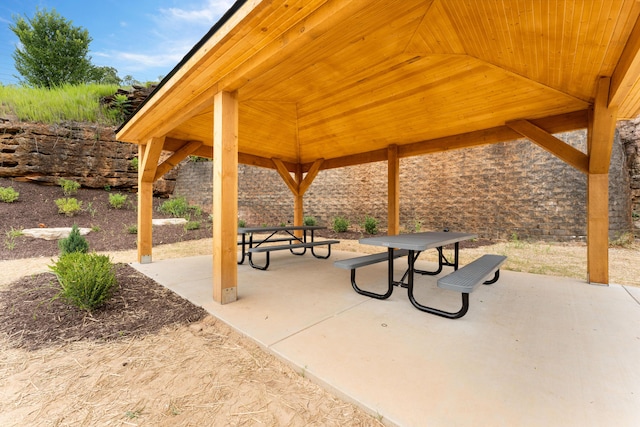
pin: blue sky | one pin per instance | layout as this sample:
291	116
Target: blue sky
142	38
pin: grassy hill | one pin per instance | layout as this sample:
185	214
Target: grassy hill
67	103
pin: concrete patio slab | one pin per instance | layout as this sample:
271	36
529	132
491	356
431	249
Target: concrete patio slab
533	350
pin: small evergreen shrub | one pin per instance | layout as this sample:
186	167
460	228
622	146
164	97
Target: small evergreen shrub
69	187
134	164
370	225
309	221
132	229
117	200
242	223
86	280
68	206
74	243
8	194
340	224
176	207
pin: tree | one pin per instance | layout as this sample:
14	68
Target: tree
52	51
104	75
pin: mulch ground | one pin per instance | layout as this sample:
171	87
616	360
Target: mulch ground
36	208
31	315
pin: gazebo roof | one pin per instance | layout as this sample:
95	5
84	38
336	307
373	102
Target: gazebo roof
343	80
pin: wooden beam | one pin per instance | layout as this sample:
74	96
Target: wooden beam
598	228
551	124
145	212
356	159
600	140
555	146
286	176
310	176
393	192
627	70
148	165
178	156
225	197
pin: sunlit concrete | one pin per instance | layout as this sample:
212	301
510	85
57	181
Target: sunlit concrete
532	351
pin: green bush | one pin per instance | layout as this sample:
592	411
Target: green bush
69	187
192	225
68	206
309	221
132	229
176	207
74	243
117	200
340	224
8	194
242	223
370	225
86	280
134	164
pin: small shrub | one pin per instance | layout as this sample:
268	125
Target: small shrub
12	235
309	221
197	210
91	209
86	280
68	206
132	229
117	200
192	225
370	225
8	194
69	187
134	164
340	224
176	207
74	243
242	223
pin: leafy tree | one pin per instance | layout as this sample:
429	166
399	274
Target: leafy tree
104	75
52	51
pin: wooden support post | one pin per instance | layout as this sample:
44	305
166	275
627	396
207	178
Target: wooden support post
393	192
225	197
298	203
598	228
298	186
145	213
601	130
148	156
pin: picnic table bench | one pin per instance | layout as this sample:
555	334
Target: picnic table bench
264	244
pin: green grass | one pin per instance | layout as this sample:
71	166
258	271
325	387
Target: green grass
68	103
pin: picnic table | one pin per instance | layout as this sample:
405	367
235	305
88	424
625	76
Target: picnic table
411	245
297	245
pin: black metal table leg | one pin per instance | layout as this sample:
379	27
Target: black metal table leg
243	249
390	281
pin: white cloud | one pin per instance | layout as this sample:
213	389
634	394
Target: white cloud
206	14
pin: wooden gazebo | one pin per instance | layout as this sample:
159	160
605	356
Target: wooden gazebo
303	86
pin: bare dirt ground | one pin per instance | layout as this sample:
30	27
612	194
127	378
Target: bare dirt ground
151	358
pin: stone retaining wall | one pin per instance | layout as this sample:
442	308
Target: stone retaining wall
506	190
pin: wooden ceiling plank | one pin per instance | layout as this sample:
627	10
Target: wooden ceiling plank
179	155
555	146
